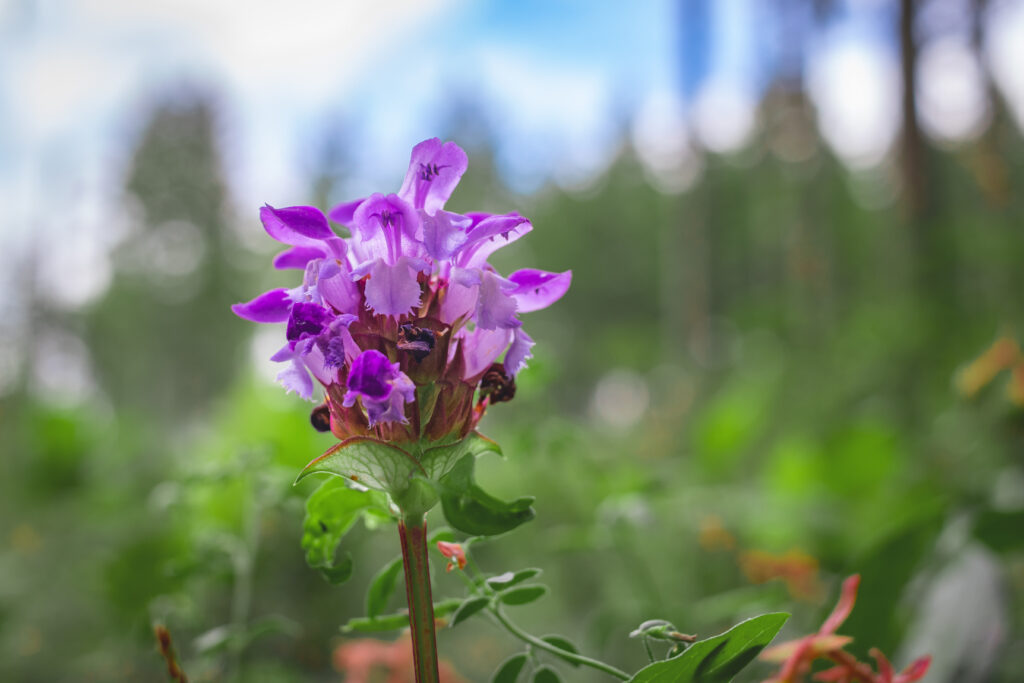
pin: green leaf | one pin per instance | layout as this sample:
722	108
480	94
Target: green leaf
392	622
445	535
562	644
472	510
546	674
339	572
381	588
509	579
717	659
468	608
440	460
371	462
331	511
510	669
522	595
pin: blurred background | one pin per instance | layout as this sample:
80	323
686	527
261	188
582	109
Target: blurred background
790	351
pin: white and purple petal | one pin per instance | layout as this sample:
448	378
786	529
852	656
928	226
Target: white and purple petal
270	307
494	306
482	347
519	352
392	289
444	233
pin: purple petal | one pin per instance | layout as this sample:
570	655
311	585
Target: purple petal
296	225
389	214
340	292
392	290
537	289
482	347
297	257
444	233
371	376
343	213
494	306
270	307
307	320
459	301
434	171
518	352
295	378
489	235
317	364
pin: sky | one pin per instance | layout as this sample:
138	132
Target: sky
558	81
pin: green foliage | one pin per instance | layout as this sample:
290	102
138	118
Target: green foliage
718	659
563	643
330	512
472	510
392	622
469	607
522	595
381	588
509	670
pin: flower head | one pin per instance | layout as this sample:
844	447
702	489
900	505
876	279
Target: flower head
407	307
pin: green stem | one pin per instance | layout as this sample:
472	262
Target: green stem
413	533
564	654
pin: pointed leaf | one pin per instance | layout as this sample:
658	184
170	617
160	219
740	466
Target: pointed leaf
546	674
563	644
522	595
468	608
717	659
472	510
509	579
510	669
381	588
369	462
440	460
392	622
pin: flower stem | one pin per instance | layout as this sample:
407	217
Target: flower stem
544	645
412	530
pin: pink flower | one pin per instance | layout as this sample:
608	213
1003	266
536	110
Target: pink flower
454	553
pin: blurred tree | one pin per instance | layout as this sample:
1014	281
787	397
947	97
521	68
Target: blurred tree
162	339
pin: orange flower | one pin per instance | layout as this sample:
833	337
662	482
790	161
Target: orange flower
798	569
454	553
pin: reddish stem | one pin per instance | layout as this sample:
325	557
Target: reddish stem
413	533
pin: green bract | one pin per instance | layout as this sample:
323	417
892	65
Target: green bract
417	475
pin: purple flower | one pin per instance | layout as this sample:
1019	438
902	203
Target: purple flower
412	283
381	386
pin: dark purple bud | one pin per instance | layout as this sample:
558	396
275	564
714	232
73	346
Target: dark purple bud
307	320
321	418
497	385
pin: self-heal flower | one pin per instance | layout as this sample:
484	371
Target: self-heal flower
407	306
